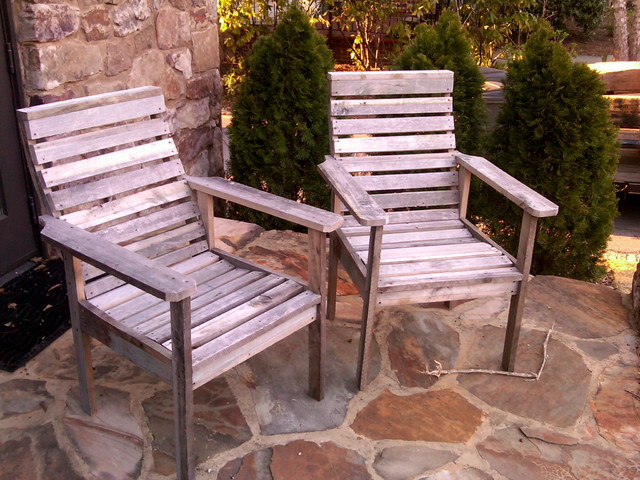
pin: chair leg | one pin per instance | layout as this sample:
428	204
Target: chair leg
366	338
182	389
512	336
82	347
332	293
317	356
81	341
369	298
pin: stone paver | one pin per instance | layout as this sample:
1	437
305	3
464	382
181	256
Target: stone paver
438	416
417	339
546	400
257	422
399	463
278	380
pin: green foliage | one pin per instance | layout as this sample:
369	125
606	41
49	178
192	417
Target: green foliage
498	28
366	21
446	46
242	22
554	134
587	14
279	131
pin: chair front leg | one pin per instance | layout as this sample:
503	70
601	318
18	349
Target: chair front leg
369	295
81	341
317	329
516	307
182	388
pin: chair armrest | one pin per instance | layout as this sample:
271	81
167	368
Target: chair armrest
124	264
305	215
523	196
355	198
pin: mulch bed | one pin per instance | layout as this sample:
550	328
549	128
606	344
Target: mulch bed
33	313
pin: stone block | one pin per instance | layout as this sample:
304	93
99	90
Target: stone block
97	24
145	39
206	50
47	22
48	66
49	98
152	69
172	28
203	85
129	17
635	298
181	61
200	18
181	4
193	114
118	59
191	142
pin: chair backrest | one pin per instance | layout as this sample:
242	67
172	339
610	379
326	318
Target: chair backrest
393	131
106	163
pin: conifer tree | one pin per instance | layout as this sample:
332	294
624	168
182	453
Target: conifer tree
446	46
279	132
555	135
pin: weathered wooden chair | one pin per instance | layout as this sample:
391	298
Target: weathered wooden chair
395	171
141	274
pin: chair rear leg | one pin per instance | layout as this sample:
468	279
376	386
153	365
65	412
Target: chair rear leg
332	289
317	356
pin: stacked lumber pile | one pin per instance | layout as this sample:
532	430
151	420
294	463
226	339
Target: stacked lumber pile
623	89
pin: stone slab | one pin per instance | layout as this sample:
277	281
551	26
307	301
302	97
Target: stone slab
286	252
22	396
558	398
298	460
454	473
235	233
218	424
402	462
278	379
584	310
515	457
439	416
34	454
616	410
110	441
416	340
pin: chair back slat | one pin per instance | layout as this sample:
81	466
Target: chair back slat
105	163
394	131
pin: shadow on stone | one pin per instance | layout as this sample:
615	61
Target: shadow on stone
218	424
278	378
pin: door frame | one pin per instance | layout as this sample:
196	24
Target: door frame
10	44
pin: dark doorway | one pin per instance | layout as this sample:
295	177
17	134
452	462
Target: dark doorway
17	242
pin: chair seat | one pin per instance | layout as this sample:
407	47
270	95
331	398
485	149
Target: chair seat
236	312
443	254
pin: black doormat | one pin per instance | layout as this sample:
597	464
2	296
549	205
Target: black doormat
33	313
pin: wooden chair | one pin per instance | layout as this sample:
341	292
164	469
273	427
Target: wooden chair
394	169
141	274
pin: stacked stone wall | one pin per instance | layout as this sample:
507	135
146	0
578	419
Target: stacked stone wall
73	48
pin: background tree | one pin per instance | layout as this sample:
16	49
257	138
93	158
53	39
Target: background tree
620	30
279	131
446	46
555	135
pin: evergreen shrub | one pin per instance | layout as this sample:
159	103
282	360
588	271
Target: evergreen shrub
446	46
555	135
279	132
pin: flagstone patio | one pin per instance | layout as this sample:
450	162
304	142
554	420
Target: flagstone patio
580	420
